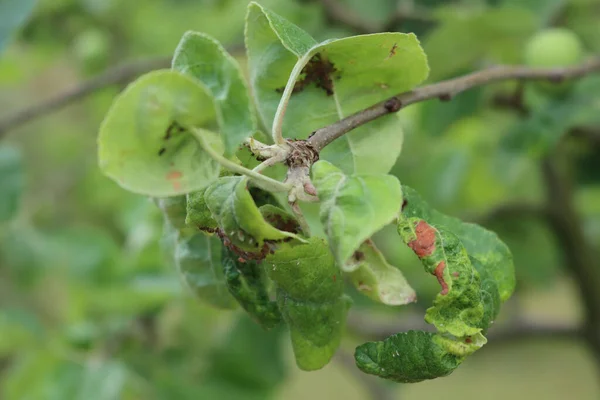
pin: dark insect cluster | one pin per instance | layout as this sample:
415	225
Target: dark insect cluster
319	70
171	131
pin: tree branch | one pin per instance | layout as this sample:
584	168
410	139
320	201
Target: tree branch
445	90
580	260
589	133
117	75
374	330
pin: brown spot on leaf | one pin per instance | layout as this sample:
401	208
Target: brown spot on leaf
393	51
404	204
283	223
243	255
358	256
319	71
424	244
468	339
439	274
334	278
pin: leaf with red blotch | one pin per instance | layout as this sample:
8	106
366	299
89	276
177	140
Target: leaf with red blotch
476	274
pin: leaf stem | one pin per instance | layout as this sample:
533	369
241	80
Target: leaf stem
300	217
277	130
276	159
264	182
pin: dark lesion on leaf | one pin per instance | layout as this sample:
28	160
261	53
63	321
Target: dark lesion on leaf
283	223
404	204
268	247
393	50
358	256
173	130
320	71
243	255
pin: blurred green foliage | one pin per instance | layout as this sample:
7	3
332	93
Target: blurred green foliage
91	307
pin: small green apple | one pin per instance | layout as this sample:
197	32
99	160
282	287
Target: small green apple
91	48
553	47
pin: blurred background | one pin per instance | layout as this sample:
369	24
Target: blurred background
90	309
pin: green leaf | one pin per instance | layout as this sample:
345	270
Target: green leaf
197	212
198	259
13	14
311	300
246	282
375	278
330	81
174	211
143	142
471	274
495	35
279	218
249	359
232	206
316	330
102	381
204	58
12	181
354	207
478	242
406	357
550	119
457	309
490	296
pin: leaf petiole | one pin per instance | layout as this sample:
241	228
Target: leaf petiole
264	182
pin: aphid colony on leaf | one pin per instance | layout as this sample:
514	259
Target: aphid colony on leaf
240	237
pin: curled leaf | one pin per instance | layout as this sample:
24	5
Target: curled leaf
204	58
378	280
311	300
197	212
479	242
144	144
198	259
457	309
473	268
174	211
354	207
232	206
406	357
246	282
